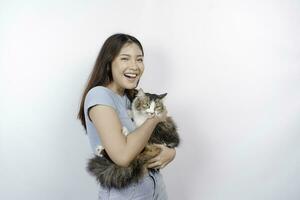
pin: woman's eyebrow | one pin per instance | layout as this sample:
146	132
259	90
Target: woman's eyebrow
123	54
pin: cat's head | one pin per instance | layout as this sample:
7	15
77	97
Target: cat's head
148	104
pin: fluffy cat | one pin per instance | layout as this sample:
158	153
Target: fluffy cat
143	106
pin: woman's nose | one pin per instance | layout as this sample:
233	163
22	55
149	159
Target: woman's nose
133	65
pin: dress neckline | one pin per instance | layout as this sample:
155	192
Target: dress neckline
114	93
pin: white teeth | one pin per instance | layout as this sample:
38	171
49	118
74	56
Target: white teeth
131	75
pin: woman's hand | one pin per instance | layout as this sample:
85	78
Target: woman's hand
159	117
165	157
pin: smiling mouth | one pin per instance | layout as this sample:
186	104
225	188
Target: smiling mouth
130	76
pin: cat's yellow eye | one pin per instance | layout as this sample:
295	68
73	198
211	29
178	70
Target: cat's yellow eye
158	108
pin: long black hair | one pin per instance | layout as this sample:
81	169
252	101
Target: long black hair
101	74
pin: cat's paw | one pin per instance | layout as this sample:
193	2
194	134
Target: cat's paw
99	150
125	131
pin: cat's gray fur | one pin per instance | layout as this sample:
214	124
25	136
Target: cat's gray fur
110	175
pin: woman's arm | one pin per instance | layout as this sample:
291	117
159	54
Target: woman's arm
121	149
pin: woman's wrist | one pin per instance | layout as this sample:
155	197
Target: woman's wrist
154	119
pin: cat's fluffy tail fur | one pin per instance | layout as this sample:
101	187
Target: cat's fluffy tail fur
110	175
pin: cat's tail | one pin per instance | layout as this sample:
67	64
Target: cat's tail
110	175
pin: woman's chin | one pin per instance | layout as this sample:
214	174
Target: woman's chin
130	86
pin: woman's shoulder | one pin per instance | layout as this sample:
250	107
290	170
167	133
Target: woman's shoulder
98	92
98	95
98	89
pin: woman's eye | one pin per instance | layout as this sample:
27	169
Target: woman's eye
140	60
124	58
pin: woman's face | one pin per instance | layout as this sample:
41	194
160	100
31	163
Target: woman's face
127	68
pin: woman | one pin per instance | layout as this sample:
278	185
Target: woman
103	113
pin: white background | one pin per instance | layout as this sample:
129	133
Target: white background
232	73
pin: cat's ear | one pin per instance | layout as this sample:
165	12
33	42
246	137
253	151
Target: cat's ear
162	96
140	93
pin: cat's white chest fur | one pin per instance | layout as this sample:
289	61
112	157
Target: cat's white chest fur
139	118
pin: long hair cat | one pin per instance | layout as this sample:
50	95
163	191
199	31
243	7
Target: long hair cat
143	106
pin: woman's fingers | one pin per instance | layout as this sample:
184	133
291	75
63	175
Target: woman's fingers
155	159
162	116
163	158
154	165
